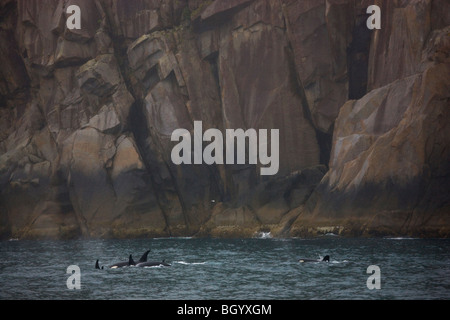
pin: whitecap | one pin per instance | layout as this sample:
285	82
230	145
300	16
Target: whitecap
338	262
188	263
263	235
400	238
158	266
173	238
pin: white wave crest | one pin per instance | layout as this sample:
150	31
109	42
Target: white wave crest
189	263
263	235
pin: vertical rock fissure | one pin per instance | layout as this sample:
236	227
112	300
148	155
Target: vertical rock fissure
140	132
139	128
324	139
221	187
358	59
82	222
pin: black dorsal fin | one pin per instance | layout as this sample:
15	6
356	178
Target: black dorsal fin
144	256
96	265
131	261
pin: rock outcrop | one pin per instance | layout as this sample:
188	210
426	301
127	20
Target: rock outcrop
87	116
389	166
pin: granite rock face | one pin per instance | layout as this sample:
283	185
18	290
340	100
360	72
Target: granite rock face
87	116
389	165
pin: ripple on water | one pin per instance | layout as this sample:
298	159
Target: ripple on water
228	269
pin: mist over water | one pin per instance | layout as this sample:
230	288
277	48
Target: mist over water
263	268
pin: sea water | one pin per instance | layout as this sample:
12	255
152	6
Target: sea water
209	269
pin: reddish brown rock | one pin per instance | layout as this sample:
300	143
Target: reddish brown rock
86	117
385	176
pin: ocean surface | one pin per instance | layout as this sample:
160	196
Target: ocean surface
216	269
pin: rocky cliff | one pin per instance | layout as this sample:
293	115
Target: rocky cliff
87	116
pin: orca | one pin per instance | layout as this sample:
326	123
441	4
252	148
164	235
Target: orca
121	264
153	264
130	262
324	259
96	265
